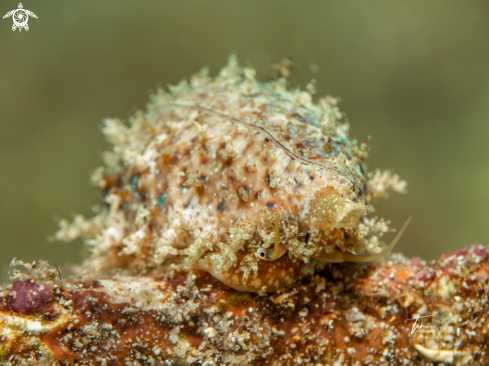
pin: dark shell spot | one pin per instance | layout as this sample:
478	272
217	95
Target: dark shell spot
290	198
220	207
166	158
306	239
270	205
256	195
267	178
203	160
174	158
203	146
265	160
28	296
247	169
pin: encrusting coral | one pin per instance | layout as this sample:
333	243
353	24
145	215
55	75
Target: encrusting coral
225	207
251	181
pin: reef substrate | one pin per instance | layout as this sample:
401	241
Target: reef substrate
396	311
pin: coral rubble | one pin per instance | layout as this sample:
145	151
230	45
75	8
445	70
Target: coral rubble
346	314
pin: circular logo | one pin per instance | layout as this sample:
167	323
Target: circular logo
20	17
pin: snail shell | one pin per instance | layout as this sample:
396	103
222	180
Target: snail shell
249	181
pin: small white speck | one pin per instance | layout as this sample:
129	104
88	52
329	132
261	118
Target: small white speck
210	332
33	327
304	312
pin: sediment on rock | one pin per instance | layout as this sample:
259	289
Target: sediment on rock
393	312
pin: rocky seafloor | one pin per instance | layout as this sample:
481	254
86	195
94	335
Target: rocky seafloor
347	314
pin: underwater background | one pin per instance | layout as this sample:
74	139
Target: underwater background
412	75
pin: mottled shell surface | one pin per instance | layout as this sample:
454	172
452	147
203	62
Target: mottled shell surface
215	168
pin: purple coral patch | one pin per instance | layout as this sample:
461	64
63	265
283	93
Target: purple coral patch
27	297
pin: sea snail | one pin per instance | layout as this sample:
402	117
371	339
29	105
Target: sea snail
250	181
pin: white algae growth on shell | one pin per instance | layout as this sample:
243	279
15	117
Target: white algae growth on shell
253	182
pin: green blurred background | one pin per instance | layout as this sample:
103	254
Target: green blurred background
412	74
